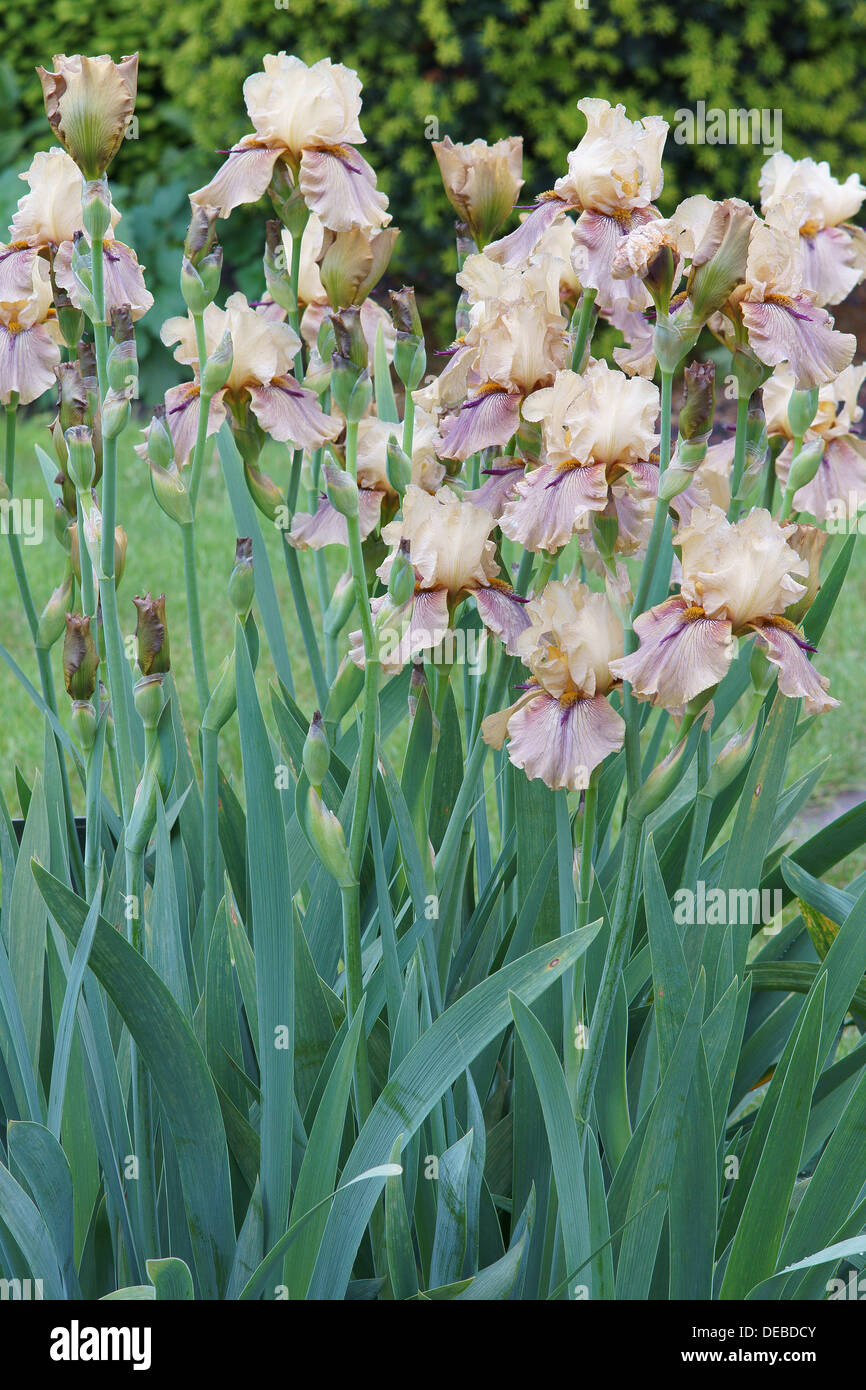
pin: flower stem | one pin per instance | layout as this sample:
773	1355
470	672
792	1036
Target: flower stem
193	607
210	799
651	559
587	847
585	316
739	448
614	961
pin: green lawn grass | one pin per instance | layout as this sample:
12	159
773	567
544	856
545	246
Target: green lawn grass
155	564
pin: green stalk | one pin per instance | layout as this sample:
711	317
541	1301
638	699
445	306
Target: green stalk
739	448
630	709
614	962
585	315
700	815
409	425
210	799
43	658
788	499
587	848
203	413
107	587
190	574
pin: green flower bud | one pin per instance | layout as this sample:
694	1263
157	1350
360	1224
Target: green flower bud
351	343
605	532
401	580
277	277
218	366
288	200
342	490
122	367
89	103
96	209
81	463
328	839
149	699
69	316
115	413
802	409
80	658
410	360
317	754
663	779
160	446
341	605
404	312
52	623
242	583
674	481
154	656
805	465
696	415
171	490
352	263
201	234
398	466
199	284
719	263
84	724
264	492
729	763
248	435
326	339
351	389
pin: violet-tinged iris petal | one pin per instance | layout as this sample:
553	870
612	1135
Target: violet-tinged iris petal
292	414
327	526
243	178
562	742
787	650
340	187
27	362
596	239
504	612
497	489
519	245
796	331
679	656
828	264
486	421
182	411
550	502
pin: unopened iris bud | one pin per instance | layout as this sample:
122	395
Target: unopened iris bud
401	580
199	284
342	490
351	388
328	839
115	412
249	437
149	698
89	103
170	488
696	415
353	262
242	583
80	658
80	460
160	446
729	763
218	366
410	354
264	492
201	233
326	339
675	480
277	277
69	316
404	312
802	408
341	605
805	465
151	633
664	778
288	200
317	754
398	466
84	724
122	367
719	263
481	181
96	209
52	623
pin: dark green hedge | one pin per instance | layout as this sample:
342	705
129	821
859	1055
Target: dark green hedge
477	67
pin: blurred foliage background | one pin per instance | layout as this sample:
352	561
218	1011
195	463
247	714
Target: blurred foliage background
465	68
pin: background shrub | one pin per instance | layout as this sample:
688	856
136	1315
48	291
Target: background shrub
475	67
